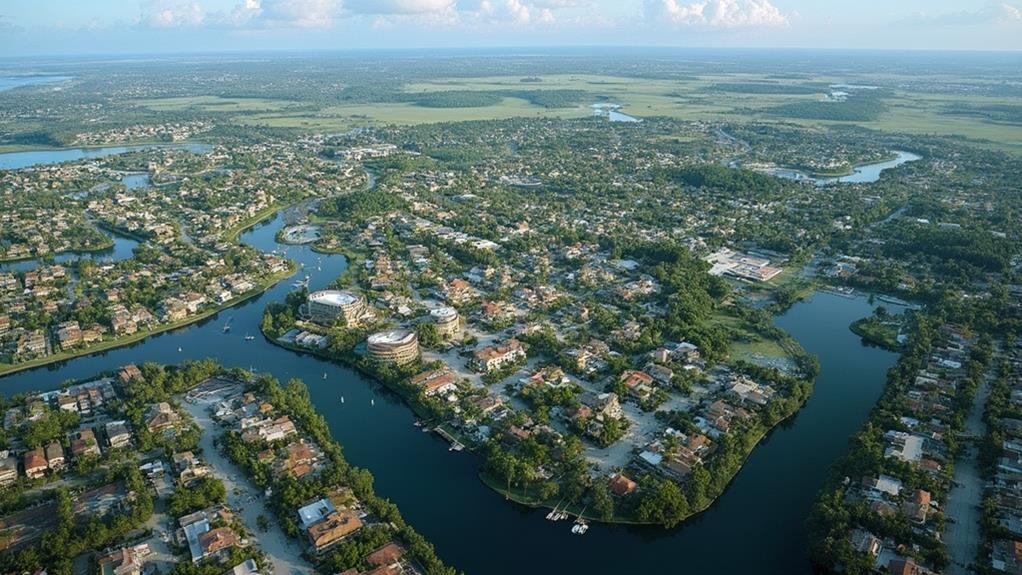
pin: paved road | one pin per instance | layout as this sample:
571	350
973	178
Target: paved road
966	496
284	552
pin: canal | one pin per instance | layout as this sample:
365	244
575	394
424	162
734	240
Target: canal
756	526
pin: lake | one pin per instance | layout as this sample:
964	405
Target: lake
864	174
122	249
612	113
18	160
10	82
473	527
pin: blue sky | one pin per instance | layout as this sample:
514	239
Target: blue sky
32	27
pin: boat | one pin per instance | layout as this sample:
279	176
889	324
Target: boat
249	337
227	325
179	349
372	402
324	375
342	399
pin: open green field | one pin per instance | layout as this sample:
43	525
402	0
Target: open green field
348	116
749	344
724	96
216	104
699	99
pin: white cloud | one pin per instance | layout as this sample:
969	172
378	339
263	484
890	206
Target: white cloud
172	14
399	6
300	13
517	12
716	13
244	12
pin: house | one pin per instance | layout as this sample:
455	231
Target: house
638	383
603	405
117	434
129	373
865	542
217	542
162	417
124	561
55	456
333	529
621	485
300	458
8	469
386	556
315	512
435	382
35	463
907	567
917	508
495	357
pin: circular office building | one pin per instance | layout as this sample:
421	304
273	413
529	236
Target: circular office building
329	305
397	346
447	321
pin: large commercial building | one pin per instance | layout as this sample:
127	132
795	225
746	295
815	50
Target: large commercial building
397	346
330	305
447	321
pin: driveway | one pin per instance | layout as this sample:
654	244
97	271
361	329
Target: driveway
284	553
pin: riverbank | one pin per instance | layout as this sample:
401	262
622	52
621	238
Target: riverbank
878	333
7	369
747	439
48	255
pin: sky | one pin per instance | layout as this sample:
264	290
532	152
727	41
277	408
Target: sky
85	27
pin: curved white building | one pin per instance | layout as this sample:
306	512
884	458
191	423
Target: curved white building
397	346
447	321
329	305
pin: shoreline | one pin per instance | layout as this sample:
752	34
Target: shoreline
142	335
481	474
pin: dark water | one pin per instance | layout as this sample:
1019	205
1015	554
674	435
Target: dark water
756	527
18	160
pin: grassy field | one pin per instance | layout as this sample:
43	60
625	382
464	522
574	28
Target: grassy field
217	104
702	97
693	99
748	343
348	116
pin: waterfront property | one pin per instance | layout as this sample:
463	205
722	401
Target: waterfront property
396	346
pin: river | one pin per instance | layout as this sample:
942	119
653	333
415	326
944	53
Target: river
18	160
864	174
756	526
122	249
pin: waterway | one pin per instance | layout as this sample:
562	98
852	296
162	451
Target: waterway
18	160
122	249
612	113
756	526
864	174
10	82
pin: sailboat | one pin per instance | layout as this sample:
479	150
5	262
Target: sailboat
324	375
342	399
372	402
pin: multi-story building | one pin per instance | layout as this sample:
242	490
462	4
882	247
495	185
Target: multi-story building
397	346
331	305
